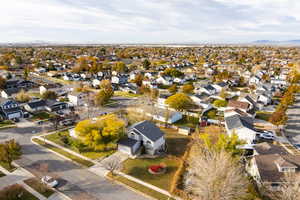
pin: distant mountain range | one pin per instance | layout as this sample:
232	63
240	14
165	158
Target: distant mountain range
274	42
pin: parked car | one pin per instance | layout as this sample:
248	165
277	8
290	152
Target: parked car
67	122
266	136
49	181
297	146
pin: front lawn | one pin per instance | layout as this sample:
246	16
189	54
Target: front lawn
6	123
39	187
16	192
138	168
64	139
41	116
263	115
126	94
176	147
6	166
64	153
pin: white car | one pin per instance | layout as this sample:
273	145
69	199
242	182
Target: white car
267	136
49	181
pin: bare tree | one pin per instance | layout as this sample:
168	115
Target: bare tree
112	164
289	188
215	176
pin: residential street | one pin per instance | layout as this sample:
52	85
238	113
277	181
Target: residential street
75	181
292	128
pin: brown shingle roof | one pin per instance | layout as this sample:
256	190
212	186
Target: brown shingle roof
238	104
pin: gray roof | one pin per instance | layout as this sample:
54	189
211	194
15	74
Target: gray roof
37	103
236	121
149	130
128	142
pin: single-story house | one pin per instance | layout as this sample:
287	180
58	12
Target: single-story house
35	105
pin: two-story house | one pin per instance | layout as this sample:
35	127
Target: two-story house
145	135
10	110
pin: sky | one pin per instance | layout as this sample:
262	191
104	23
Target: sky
149	21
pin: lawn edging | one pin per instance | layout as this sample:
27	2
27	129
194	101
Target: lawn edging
132	185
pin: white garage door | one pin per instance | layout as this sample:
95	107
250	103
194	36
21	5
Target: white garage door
124	149
14	115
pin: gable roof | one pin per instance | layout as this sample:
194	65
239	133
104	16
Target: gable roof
236	121
267	166
149	130
37	103
238	104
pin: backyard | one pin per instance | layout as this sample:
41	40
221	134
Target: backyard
176	146
64	139
263	115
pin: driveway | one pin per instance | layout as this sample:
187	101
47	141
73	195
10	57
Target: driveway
292	128
75	181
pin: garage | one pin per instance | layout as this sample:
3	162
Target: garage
14	115
128	146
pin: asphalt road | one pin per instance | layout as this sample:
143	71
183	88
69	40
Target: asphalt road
292	128
76	182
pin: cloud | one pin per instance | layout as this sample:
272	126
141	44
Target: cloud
149	20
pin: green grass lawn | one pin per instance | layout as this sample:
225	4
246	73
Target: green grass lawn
141	188
12	192
188	121
6	166
138	168
6	123
176	146
41	116
64	153
263	115
57	138
39	187
126	94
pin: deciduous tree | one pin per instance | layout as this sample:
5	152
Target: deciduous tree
180	102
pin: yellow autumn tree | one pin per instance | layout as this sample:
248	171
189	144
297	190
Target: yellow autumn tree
102	133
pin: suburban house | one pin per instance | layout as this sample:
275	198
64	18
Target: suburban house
145	135
77	98
10	110
52	105
208	89
8	93
269	169
35	105
161	100
254	80
220	86
242	126
164	80
244	106
161	114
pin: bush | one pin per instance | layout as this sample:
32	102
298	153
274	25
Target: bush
220	103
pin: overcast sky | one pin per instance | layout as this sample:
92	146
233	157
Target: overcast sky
149	21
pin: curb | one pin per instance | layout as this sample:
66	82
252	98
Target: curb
130	188
58	154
